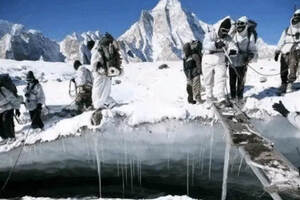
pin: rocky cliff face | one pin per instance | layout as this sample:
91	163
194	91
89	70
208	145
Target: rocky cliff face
69	47
160	33
17	43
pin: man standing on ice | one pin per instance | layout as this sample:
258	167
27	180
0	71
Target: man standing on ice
84	84
34	100
105	57
9	101
289	48
215	42
244	37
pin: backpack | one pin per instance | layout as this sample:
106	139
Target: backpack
196	47
252	29
111	57
5	81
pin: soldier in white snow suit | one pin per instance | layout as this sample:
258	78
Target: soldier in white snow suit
213	61
245	52
9	101
192	69
293	117
85	51
289	48
84	83
34	100
102	83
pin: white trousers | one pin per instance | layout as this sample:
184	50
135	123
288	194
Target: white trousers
101	91
214	74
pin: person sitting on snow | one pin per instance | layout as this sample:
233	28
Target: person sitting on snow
9	101
215	42
34	100
293	117
193	69
106	62
85	51
84	83
240	57
289	48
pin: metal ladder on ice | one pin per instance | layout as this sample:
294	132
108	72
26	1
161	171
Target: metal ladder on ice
277	175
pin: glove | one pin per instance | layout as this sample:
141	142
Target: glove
279	107
277	53
39	106
17	112
220	44
232	52
249	57
73	80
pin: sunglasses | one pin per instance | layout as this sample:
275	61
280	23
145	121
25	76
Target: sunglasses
224	30
241	24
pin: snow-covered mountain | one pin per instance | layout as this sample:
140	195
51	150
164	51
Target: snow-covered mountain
160	33
18	43
265	50
69	47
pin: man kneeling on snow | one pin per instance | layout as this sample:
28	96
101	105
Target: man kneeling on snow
106	63
84	84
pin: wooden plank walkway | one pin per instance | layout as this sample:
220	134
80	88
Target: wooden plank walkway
277	175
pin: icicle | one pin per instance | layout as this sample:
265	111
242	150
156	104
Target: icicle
240	166
187	174
123	181
98	168
131	175
87	148
63	145
226	167
211	152
118	168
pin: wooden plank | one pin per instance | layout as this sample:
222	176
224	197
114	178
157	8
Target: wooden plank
275	172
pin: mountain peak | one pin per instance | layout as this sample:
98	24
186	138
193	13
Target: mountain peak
167	4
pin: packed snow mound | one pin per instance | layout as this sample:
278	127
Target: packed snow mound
160	33
17	43
69	47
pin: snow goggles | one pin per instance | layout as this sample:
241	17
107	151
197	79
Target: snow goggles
239	23
224	30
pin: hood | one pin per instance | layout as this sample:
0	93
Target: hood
220	22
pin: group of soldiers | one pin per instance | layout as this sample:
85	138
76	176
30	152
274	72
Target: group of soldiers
92	88
233	45
227	45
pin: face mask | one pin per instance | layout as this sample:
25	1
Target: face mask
296	19
240	26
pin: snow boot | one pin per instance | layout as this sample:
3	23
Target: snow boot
283	88
289	88
189	90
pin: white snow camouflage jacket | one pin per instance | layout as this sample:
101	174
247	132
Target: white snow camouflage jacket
288	39
8	100
34	95
84	54
84	77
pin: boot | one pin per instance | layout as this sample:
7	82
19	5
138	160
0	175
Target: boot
189	90
289	88
283	88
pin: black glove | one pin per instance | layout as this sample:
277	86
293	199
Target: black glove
232	52
277	53
73	80
17	112
220	44
249	57
279	107
39	106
